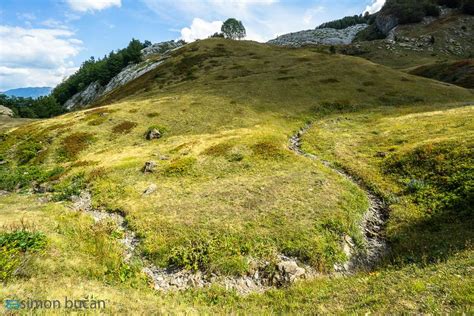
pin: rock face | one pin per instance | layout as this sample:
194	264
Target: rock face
160	48
4	111
130	73
386	22
95	90
85	97
326	36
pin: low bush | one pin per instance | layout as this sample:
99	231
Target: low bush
14	249
27	151
124	127
17	178
73	144
70	187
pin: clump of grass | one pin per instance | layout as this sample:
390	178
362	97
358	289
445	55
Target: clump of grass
268	149
15	247
218	150
124	127
180	166
152	114
73	144
97	121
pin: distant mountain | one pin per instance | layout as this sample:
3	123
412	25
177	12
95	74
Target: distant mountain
33	92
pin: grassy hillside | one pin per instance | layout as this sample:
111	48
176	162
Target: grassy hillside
228	189
460	73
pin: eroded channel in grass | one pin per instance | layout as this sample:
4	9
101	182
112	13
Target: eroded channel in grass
264	276
372	225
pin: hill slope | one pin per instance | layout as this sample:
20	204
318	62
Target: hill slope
34	92
224	197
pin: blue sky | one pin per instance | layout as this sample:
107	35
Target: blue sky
43	41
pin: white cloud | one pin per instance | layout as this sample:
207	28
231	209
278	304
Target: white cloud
93	5
35	56
263	19
200	29
375	6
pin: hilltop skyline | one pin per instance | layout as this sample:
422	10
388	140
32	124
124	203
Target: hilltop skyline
60	35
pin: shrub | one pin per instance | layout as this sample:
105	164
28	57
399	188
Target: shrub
73	144
27	151
23	240
11	179
14	247
73	186
124	127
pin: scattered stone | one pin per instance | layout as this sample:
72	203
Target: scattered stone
83	202
149	167
381	154
289	271
151	189
153	134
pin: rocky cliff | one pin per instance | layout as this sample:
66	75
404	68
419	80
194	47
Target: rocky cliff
325	36
95	90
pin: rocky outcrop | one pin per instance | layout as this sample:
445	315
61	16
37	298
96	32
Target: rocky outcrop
4	111
326	36
85	97
161	48
130	73
95	90
386	22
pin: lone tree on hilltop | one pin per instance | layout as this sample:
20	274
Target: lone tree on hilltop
233	29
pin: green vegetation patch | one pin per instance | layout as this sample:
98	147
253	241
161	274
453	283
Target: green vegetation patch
439	176
269	149
17	178
180	166
73	144
124	127
15	247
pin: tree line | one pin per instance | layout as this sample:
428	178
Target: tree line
102	70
